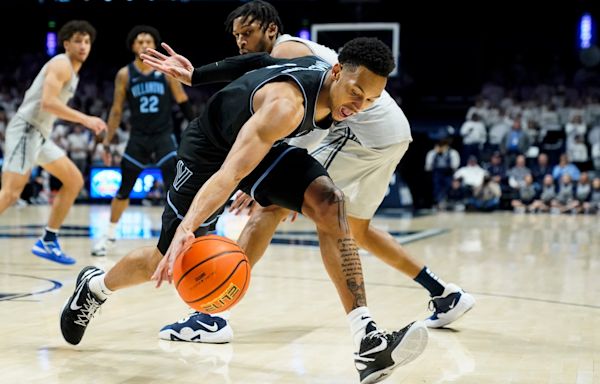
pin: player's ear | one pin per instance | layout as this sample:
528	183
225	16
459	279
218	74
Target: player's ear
272	30
336	71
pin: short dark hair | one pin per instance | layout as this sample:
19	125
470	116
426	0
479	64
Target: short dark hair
76	26
369	52
259	10
135	31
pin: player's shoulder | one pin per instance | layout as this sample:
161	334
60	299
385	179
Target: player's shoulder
310	60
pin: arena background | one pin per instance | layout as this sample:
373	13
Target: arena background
447	50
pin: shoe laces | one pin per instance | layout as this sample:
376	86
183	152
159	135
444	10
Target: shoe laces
89	308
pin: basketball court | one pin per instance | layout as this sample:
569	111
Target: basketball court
534	277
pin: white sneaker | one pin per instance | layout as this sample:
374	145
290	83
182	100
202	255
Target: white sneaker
103	246
198	327
448	307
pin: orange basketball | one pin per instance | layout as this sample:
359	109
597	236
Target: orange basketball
213	275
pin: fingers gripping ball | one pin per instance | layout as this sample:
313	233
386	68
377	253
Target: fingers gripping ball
213	275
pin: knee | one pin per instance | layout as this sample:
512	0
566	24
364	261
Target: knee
75	182
11	195
328	208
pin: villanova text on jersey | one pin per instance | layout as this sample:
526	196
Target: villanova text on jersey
149	98
147	88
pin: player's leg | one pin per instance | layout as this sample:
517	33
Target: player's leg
54	161
12	186
22	144
311	191
94	286
364	174
166	155
134	161
92	289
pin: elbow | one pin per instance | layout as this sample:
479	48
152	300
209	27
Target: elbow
47	105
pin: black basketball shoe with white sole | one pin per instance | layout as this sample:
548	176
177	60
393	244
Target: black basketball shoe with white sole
80	307
381	352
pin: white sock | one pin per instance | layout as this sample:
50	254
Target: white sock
359	318
98	287
111	231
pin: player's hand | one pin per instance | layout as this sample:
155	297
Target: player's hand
241	201
182	241
95	124
106	155
174	65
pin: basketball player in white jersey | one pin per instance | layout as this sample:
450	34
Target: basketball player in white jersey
28	140
361	154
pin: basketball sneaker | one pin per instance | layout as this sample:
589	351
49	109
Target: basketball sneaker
381	352
51	250
198	327
448	307
103	246
80	307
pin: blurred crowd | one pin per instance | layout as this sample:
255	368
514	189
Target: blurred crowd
533	148
536	150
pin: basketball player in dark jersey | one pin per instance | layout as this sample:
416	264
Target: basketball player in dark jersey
149	95
237	143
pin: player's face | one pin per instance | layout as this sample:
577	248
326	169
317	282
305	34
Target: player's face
250	36
353	90
142	42
78	46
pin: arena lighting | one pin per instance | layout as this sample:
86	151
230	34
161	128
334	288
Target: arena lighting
586	30
51	43
304	33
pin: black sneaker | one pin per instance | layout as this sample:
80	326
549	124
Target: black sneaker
380	352
80	307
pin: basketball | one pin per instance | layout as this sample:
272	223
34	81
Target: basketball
213	275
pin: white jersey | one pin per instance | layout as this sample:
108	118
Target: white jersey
31	111
379	126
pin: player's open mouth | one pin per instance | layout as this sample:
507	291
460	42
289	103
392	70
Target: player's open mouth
346	112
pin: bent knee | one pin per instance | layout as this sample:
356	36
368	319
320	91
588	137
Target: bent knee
326	205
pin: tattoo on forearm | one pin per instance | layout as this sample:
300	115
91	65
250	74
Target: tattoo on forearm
352	270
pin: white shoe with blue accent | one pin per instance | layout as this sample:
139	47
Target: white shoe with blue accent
51	250
448	307
198	327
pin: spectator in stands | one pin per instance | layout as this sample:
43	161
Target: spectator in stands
565	198
593	203
486	197
526	196
578	153
471	174
498	130
541	168
474	136
515	142
548	194
564	166
442	161
496	168
516	175
456	198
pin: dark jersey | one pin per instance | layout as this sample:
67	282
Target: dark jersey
149	98
229	109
